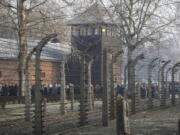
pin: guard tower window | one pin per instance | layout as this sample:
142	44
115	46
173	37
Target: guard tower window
96	31
113	33
90	31
82	31
75	31
109	31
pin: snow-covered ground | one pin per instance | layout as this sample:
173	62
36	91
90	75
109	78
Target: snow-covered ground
154	122
157	122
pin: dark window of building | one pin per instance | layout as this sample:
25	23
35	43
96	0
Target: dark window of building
96	32
83	31
75	31
90	31
113	32
0	74
109	31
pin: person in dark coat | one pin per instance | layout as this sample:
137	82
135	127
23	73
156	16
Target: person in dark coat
0	90
33	91
143	92
59	90
4	93
50	90
153	91
54	90
45	91
120	90
15	90
11	90
5	90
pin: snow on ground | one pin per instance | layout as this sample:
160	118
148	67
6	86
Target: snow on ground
154	122
157	122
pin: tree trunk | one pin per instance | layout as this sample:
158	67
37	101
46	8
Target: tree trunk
28	89
63	89
27	96
22	33
150	99
125	82
131	81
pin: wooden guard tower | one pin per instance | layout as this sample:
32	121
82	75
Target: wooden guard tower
93	27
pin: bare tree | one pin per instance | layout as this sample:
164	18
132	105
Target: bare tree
30	18
135	21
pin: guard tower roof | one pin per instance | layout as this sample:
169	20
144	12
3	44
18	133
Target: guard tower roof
95	14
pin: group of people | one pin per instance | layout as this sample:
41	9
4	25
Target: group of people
143	90
9	90
55	90
49	90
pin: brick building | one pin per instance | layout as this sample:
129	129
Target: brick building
51	57
94	27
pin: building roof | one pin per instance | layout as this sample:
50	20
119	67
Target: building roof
95	14
51	52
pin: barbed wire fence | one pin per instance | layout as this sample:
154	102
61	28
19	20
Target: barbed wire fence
67	106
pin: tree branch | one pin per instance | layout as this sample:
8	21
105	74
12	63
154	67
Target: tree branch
139	57
116	55
3	3
30	9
